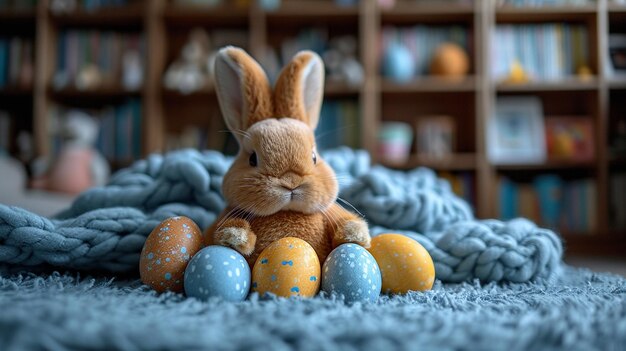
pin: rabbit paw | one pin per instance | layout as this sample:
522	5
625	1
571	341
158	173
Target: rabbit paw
240	239
353	231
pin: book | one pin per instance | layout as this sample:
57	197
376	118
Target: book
570	138
5	132
551	202
4	60
103	50
562	50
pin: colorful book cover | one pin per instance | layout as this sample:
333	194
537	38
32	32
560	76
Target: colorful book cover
509	200
570	137
4	62
549	191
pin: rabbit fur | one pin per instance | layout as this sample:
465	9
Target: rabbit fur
278	186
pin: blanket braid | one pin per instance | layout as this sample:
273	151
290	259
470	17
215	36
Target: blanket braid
105	228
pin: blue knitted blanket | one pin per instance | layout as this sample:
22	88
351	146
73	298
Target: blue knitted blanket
106	227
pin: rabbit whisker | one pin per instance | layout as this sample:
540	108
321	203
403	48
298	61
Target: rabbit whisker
349	204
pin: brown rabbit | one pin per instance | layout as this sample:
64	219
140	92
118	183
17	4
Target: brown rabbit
278	186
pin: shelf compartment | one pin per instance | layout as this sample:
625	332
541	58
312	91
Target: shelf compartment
455	162
432	12
572	84
517	14
428	85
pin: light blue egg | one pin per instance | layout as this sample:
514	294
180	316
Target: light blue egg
352	271
398	63
217	271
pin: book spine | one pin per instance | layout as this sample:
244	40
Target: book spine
4	60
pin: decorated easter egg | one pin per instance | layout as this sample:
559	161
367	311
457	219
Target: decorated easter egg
351	271
167	251
287	267
405	265
218	271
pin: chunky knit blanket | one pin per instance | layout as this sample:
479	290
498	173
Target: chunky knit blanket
106	227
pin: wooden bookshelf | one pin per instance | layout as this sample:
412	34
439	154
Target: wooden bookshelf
470	100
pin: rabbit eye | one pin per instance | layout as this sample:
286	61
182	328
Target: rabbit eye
314	158
253	160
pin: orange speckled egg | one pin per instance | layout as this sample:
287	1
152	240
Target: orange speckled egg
167	252
405	265
287	267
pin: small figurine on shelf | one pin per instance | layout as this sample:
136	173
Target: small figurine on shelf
89	77
192	70
584	72
132	70
79	165
269	5
62	6
341	62
517	74
394	142
449	60
398	63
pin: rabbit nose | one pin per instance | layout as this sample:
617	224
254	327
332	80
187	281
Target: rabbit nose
291	181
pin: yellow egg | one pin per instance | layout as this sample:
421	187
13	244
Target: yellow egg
167	251
287	267
405	265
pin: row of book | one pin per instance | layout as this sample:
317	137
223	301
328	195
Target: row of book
338	125
81	52
423	40
537	3
548	51
16	62
463	184
17	5
617	198
120	130
551	202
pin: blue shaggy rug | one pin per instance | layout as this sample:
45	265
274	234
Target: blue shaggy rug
499	284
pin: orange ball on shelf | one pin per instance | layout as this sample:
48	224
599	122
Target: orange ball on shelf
449	60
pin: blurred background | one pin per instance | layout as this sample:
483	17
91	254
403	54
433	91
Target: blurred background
520	104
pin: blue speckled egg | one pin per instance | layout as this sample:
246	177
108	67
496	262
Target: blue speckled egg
351	271
217	271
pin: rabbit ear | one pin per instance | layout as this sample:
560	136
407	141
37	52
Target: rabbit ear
243	91
300	88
